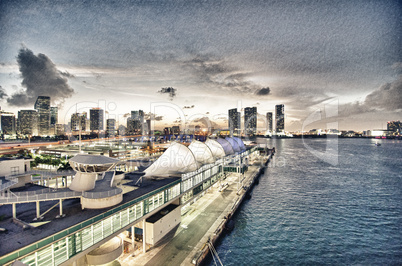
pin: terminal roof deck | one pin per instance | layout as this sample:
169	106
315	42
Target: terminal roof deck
16	237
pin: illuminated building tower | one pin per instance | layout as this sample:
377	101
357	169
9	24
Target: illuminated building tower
42	105
234	121
96	119
7	123
250	120
395	126
269	121
28	122
136	122
78	120
111	127
53	116
280	117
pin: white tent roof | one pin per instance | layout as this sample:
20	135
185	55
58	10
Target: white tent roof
234	144
226	146
216	148
177	159
240	142
202	153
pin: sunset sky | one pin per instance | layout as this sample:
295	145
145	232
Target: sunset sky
217	55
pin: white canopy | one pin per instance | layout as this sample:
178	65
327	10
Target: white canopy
226	146
240	142
177	159
216	148
202	153
234	144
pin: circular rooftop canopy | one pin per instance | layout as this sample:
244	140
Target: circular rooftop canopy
93	159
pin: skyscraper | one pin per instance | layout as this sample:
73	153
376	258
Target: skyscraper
53	116
78	120
135	123
111	127
42	105
7	123
28	122
269	121
395	126
148	127
250	120
96	119
280	117
234	121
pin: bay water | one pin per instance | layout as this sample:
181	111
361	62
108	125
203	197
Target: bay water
311	209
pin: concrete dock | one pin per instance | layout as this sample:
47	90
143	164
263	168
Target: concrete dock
203	223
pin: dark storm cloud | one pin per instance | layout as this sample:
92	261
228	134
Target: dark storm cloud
66	74
169	90
218	73
40	78
301	98
3	93
263	91
386	98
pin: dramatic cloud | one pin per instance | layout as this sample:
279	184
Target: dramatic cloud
387	98
169	90
3	93
263	91
153	116
66	74
40	78
224	76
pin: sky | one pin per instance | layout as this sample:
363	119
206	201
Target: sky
331	63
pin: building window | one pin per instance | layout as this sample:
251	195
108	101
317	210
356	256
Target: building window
15	170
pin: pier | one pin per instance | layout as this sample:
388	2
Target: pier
205	221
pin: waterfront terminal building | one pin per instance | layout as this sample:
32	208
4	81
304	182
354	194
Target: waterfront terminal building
89	216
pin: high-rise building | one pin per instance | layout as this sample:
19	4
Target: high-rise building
395	126
269	121
7	123
234	121
54	119
148	127
96	119
111	127
280	117
250	120
42	105
135	123
28	122
167	131
78	120
59	129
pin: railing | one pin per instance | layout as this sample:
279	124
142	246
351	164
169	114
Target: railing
44	194
102	194
11	182
50	172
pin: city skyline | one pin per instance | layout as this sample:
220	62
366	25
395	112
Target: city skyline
204	58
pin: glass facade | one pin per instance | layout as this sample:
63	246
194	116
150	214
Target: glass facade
86	234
